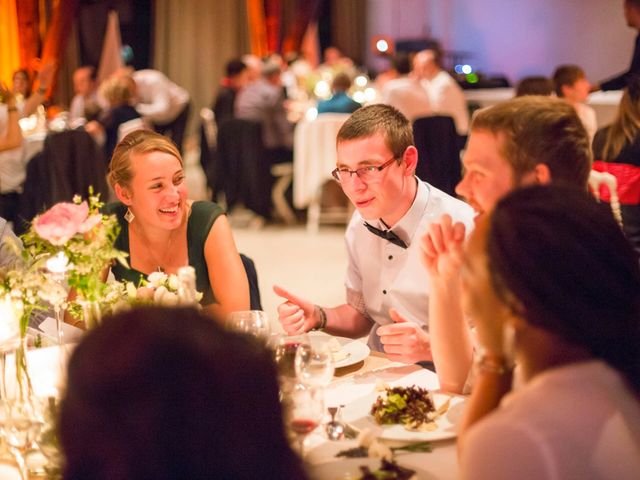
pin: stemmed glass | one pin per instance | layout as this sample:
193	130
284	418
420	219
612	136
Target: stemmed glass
314	363
253	322
304	406
21	421
285	349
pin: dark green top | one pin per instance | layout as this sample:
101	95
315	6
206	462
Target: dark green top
201	219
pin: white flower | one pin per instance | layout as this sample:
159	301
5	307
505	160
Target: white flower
173	283
132	291
77	199
157	279
170	299
160	292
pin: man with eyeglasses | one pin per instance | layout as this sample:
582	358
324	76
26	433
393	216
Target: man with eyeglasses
387	287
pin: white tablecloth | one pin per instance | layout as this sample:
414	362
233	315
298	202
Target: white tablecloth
441	463
314	155
604	103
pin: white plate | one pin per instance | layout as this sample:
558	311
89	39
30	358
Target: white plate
357	413
348	469
355	349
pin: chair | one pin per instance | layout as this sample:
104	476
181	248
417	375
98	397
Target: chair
246	170
252	277
69	164
598	180
314	157
438	152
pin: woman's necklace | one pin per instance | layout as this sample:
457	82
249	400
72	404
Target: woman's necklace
166	256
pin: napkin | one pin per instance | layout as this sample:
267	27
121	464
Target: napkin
70	334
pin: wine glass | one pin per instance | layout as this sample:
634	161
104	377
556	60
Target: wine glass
314	363
304	407
21	421
253	322
285	349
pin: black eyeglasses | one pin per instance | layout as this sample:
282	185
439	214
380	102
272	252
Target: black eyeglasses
366	174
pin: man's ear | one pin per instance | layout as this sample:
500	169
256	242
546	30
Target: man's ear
123	194
410	157
542	174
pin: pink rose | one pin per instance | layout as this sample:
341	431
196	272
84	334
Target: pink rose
61	222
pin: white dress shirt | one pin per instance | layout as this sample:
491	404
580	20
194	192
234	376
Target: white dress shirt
578	421
382	275
447	98
159	99
588	117
408	96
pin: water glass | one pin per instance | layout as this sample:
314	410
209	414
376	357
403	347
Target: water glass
253	322
304	409
314	363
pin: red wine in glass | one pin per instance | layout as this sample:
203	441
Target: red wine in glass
303	426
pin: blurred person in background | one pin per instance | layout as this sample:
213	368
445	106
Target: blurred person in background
85	87
237	77
534	85
340	101
571	84
616	149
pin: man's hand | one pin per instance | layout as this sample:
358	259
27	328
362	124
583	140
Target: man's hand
404	341
442	247
296	315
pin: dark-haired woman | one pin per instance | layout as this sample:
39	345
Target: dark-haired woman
566	302
148	398
616	150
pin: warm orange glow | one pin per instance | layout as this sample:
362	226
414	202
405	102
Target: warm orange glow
9	41
257	27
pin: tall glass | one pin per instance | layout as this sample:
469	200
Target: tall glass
304	409
314	363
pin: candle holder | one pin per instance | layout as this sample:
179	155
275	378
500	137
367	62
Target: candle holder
57	266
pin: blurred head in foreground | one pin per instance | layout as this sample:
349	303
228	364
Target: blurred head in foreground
552	264
168	394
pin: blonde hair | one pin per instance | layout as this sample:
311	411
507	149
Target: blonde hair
624	129
137	143
117	90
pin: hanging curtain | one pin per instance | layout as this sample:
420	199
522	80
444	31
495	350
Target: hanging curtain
9	41
257	27
193	42
349	27
305	13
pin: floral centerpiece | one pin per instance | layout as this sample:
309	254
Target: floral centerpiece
83	240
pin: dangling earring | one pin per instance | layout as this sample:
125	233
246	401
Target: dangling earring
129	216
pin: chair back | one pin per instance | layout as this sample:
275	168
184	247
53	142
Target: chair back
438	152
69	164
243	167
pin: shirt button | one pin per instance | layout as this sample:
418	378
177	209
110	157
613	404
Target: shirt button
384	291
390	257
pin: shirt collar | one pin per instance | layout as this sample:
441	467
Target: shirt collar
406	227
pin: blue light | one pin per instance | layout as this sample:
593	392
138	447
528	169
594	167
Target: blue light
458	68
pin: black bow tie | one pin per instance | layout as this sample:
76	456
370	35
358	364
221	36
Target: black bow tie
387	235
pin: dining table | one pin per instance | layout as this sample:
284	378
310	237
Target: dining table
361	380
350	384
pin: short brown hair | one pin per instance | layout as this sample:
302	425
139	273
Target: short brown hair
539	130
383	119
534	85
137	143
566	75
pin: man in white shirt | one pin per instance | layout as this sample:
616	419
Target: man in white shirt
571	84
85	87
162	103
445	94
375	168
407	93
